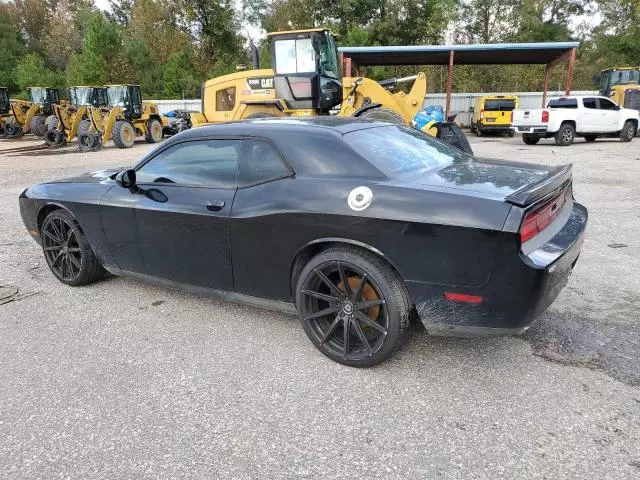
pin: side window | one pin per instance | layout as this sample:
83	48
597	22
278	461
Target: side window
260	162
606	104
589	103
203	163
226	99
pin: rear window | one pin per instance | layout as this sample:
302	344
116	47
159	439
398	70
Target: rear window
399	151
497	105
563	103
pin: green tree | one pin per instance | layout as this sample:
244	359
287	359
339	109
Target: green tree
179	77
31	71
12	46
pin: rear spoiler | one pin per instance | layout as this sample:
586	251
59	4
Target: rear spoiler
535	192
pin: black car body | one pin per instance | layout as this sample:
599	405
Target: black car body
477	246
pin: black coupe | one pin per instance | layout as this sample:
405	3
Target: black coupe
358	226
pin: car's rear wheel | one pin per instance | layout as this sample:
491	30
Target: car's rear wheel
353	306
67	250
565	135
628	131
590	138
530	139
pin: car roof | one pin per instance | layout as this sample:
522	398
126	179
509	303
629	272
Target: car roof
263	126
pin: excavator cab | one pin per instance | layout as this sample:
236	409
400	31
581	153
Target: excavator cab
128	97
45	97
5	104
307	73
88	96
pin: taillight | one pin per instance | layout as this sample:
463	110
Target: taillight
481	114
545	116
540	218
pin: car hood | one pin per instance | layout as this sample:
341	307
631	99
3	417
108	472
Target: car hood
485	177
95	176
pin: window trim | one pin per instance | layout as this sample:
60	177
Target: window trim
157	152
290	172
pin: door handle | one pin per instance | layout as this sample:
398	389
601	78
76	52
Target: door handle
215	206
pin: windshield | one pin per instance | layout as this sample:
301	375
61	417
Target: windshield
295	56
328	58
117	96
402	151
624	77
83	95
4	100
38	95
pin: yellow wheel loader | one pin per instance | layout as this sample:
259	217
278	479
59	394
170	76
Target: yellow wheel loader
306	80
622	85
31	116
124	118
72	119
5	110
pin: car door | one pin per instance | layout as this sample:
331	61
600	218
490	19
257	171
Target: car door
609	115
182	211
258	225
590	116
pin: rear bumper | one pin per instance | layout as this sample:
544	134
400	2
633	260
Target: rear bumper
517	292
489	127
537	129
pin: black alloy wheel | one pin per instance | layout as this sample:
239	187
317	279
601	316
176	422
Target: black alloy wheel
67	251
353	307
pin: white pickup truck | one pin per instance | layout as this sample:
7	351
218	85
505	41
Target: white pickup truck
568	117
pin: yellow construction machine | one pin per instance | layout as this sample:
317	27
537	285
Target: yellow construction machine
31	116
5	110
306	80
73	118
124	118
622	85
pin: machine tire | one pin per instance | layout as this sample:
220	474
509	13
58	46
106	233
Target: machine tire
154	131
52	122
530	139
382	283
84	126
37	125
628	131
88	142
123	134
54	138
565	135
260	115
590	138
3	131
382	114
12	129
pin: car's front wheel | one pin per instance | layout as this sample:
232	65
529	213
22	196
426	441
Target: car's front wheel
67	250
353	306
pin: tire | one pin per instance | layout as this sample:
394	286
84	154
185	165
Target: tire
628	131
511	133
3	131
37	125
67	251
381	114
12	128
388	306
52	122
530	139
154	131
123	134
478	131
590	138
565	135
54	138
84	126
89	142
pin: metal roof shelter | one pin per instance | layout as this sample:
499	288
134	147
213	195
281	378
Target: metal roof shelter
549	54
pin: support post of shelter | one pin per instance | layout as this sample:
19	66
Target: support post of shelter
572	61
449	86
346	66
545	88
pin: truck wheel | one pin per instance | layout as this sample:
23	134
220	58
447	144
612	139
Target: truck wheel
37	125
590	138
565	136
530	139
511	133
381	114
479	131
123	134
628	131
154	131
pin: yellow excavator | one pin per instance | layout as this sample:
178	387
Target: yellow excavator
124	118
72	119
306	80
622	85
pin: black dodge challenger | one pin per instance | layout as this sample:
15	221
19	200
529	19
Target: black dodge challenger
358	226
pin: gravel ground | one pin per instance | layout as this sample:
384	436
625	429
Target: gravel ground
125	380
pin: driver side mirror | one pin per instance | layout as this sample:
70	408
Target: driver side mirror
127	179
618	107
